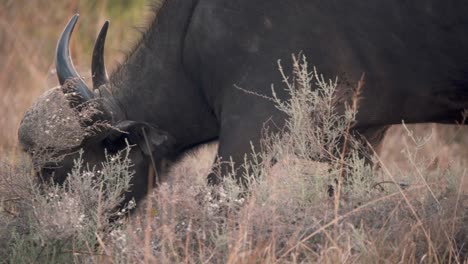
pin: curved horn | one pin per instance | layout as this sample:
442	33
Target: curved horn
98	68
64	64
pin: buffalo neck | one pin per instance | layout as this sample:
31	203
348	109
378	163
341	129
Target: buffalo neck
152	85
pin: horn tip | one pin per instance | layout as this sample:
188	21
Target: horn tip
105	26
73	20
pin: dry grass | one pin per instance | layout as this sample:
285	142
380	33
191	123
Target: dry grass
286	217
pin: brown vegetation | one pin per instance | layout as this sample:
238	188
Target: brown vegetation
414	208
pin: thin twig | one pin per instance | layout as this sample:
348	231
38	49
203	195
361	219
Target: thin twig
152	173
355	103
341	217
408	203
15	214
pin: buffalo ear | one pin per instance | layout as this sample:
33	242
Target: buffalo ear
148	138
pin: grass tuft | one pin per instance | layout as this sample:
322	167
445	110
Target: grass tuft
313	197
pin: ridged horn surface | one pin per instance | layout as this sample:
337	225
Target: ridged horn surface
98	67
64	63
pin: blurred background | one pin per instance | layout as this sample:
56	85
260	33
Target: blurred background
28	34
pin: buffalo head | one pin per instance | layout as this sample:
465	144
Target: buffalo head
72	117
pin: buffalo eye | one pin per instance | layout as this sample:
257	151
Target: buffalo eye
47	172
45	175
115	145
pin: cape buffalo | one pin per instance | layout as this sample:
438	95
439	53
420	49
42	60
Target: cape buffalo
177	85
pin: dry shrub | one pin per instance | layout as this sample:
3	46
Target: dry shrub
420	215
62	223
287	214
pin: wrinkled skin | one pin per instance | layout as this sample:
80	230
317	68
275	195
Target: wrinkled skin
179	80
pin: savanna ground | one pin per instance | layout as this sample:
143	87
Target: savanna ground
413	209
